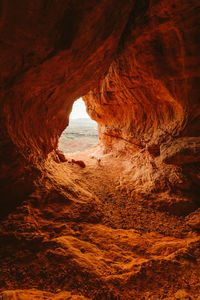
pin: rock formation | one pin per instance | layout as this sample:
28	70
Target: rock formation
148	103
127	227
51	53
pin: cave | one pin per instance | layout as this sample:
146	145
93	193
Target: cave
123	221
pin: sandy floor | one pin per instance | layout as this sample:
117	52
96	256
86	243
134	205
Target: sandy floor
90	236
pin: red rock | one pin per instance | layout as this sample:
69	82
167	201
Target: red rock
50	55
136	217
61	155
193	220
34	294
79	162
181	151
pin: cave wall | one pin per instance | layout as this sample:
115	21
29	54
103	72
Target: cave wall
137	63
125	226
150	94
147	106
51	53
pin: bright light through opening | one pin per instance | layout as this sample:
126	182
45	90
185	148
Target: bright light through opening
82	132
79	110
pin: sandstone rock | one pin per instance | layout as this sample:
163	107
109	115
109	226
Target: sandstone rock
181	151
144	98
51	55
61	155
154	150
182	294
69	229
79	162
38	295
193	220
135	64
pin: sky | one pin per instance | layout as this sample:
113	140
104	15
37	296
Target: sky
79	110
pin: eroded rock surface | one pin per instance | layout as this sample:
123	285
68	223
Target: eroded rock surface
51	53
181	151
102	242
126	225
150	93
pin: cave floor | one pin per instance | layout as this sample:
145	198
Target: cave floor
123	208
85	235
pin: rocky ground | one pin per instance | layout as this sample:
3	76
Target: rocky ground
90	237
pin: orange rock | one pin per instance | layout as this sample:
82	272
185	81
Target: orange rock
50	55
79	162
181	151
128	229
61	155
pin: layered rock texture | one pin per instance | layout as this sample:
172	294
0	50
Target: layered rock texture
126	226
51	53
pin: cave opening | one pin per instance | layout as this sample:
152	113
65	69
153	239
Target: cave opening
81	133
120	220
